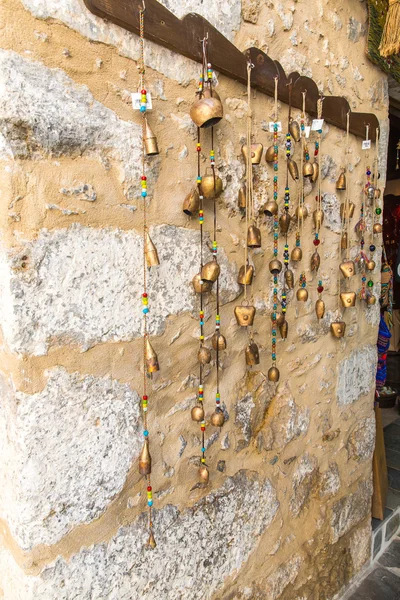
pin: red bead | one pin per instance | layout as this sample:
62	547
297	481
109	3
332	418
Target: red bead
144	177
144	295
320	289
149	488
316	242
143	92
145	397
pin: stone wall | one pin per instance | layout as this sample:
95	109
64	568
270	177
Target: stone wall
287	512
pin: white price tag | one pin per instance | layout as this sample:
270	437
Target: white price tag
366	145
316	125
307	130
272	124
136	98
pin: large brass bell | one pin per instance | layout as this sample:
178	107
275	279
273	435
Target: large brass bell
315	261
377	228
270	154
307	169
296	254
150	251
348	299
210	271
191	203
218	341
341	182
370	265
347	268
318	218
253	237
217	418
197	413
347	214
284	222
150	356
301	212
275	266
150	141
256	153
289	279
273	374
315	172
302	294
338	329
320	308
245	315
271	208
207	186
204	474
283	329
204	355
200	285
371	300
207	111
245	276
252	354
293	169
294	129
145	459
242	197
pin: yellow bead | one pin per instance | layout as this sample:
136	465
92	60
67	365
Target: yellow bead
203	460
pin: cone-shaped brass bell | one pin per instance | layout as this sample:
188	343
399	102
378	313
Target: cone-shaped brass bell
152	541
377	228
252	354
204	474
377	193
217	418
318	218
204	355
253	237
294	129
245	315
207	186
338	329
370	265
199	287
371	299
301	211
150	358
275	266
284	222
210	271
197	413
320	308
347	214
283	329
256	153
302	294
296	254
348	299
280	318
315	261
150	251
315	172
343	241
289	278
207	110
270	154
191	203
307	169
150	141
242	197
347	268
293	169
218	341
271	208
341	182
273	374
145	459
246	273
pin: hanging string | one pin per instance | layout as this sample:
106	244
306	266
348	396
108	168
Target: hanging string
249	167
347	199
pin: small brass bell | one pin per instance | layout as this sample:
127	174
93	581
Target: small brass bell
320	308
315	172
197	413
275	266
271	208
307	169
152	542
207	110
191	203
283	329
207	186
284	222
218	341
377	228
210	271
315	261
371	300
302	294
289	278
293	169
318	218
341	182
204	474
150	251
370	265
242	197
204	355
253	237
151	359
256	153
338	329
296	254
145	459
270	154
200	285
301	212
348	299
217	418
150	141
273	374
377	193
245	315
294	129
280	318
343	241
347	214
347	268
252	354
245	276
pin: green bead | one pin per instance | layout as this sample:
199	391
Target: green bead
370	283
378	211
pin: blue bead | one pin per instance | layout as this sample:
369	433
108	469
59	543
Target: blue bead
145	433
150	502
145	311
142	109
144	193
203	449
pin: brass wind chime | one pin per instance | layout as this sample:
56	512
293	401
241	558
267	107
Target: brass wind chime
318	214
306	170
150	259
206	112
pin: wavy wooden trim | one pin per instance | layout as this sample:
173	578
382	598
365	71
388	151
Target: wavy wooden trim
184	35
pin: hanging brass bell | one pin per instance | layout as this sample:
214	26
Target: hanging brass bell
273	374
318	218
315	261
315	172
242	197
343	241
296	254
245	276
341	182
150	141
197	413
320	308
302	294
271	208
294	129
371	300
151	359
370	265
204	355
145	459
191	203
348	299
217	418
218	341
338	329
207	111
347	268
245	315
150	251
377	193
301	212
307	169
293	169
204	474
151	542
275	266
210	271
280	318
283	329
270	154
347	214
252	354
200	285
207	186
377	228
370	192
256	153
289	279
253	237
284	222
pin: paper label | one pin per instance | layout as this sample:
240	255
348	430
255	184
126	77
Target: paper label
136	98
307	130
272	125
317	124
366	145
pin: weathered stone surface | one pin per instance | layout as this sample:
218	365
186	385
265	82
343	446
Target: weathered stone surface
356	375
350	510
329	481
283	576
304	481
360	547
361	442
331	208
251	10
65	453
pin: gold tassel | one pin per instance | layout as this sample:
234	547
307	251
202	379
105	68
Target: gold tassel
390	42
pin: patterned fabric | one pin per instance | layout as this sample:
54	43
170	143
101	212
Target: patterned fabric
383	344
377	17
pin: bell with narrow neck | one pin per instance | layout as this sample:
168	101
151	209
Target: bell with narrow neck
150	251
145	459
151	359
150	141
